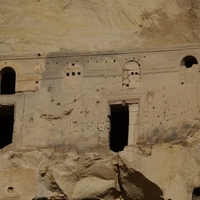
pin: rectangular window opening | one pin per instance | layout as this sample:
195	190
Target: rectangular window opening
6	124
119	120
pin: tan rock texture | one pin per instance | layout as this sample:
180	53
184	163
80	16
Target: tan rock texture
96	26
105	100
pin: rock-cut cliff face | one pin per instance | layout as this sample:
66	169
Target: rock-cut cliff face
76	67
96	26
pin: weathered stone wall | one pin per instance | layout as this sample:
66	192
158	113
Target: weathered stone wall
67	97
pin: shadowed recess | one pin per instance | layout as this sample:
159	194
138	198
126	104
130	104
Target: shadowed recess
196	193
188	61
119	120
134	185
6	125
8	77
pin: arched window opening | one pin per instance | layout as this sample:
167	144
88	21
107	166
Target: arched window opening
119	121
131	75
8	77
6	124
188	61
196	193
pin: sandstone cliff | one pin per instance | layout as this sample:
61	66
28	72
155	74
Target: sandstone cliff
96	26
74	59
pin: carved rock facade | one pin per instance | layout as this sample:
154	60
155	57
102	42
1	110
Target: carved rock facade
101	126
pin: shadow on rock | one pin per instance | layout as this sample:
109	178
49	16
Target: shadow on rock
135	185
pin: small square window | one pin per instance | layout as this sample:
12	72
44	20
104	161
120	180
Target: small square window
73	73
67	74
79	73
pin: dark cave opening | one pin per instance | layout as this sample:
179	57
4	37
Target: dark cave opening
196	193
188	61
119	122
8	77
6	125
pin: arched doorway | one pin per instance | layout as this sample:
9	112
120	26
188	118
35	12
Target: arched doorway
6	124
8	77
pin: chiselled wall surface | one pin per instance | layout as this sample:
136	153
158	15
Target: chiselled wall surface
74	61
68	97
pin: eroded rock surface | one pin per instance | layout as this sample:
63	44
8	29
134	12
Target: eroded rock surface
74	64
40	26
157	172
69	178
135	185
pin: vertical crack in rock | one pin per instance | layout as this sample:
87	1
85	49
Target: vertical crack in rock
134	185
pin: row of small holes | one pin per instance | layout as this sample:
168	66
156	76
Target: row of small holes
73	64
56	63
133	59
136	73
98	61
73	73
